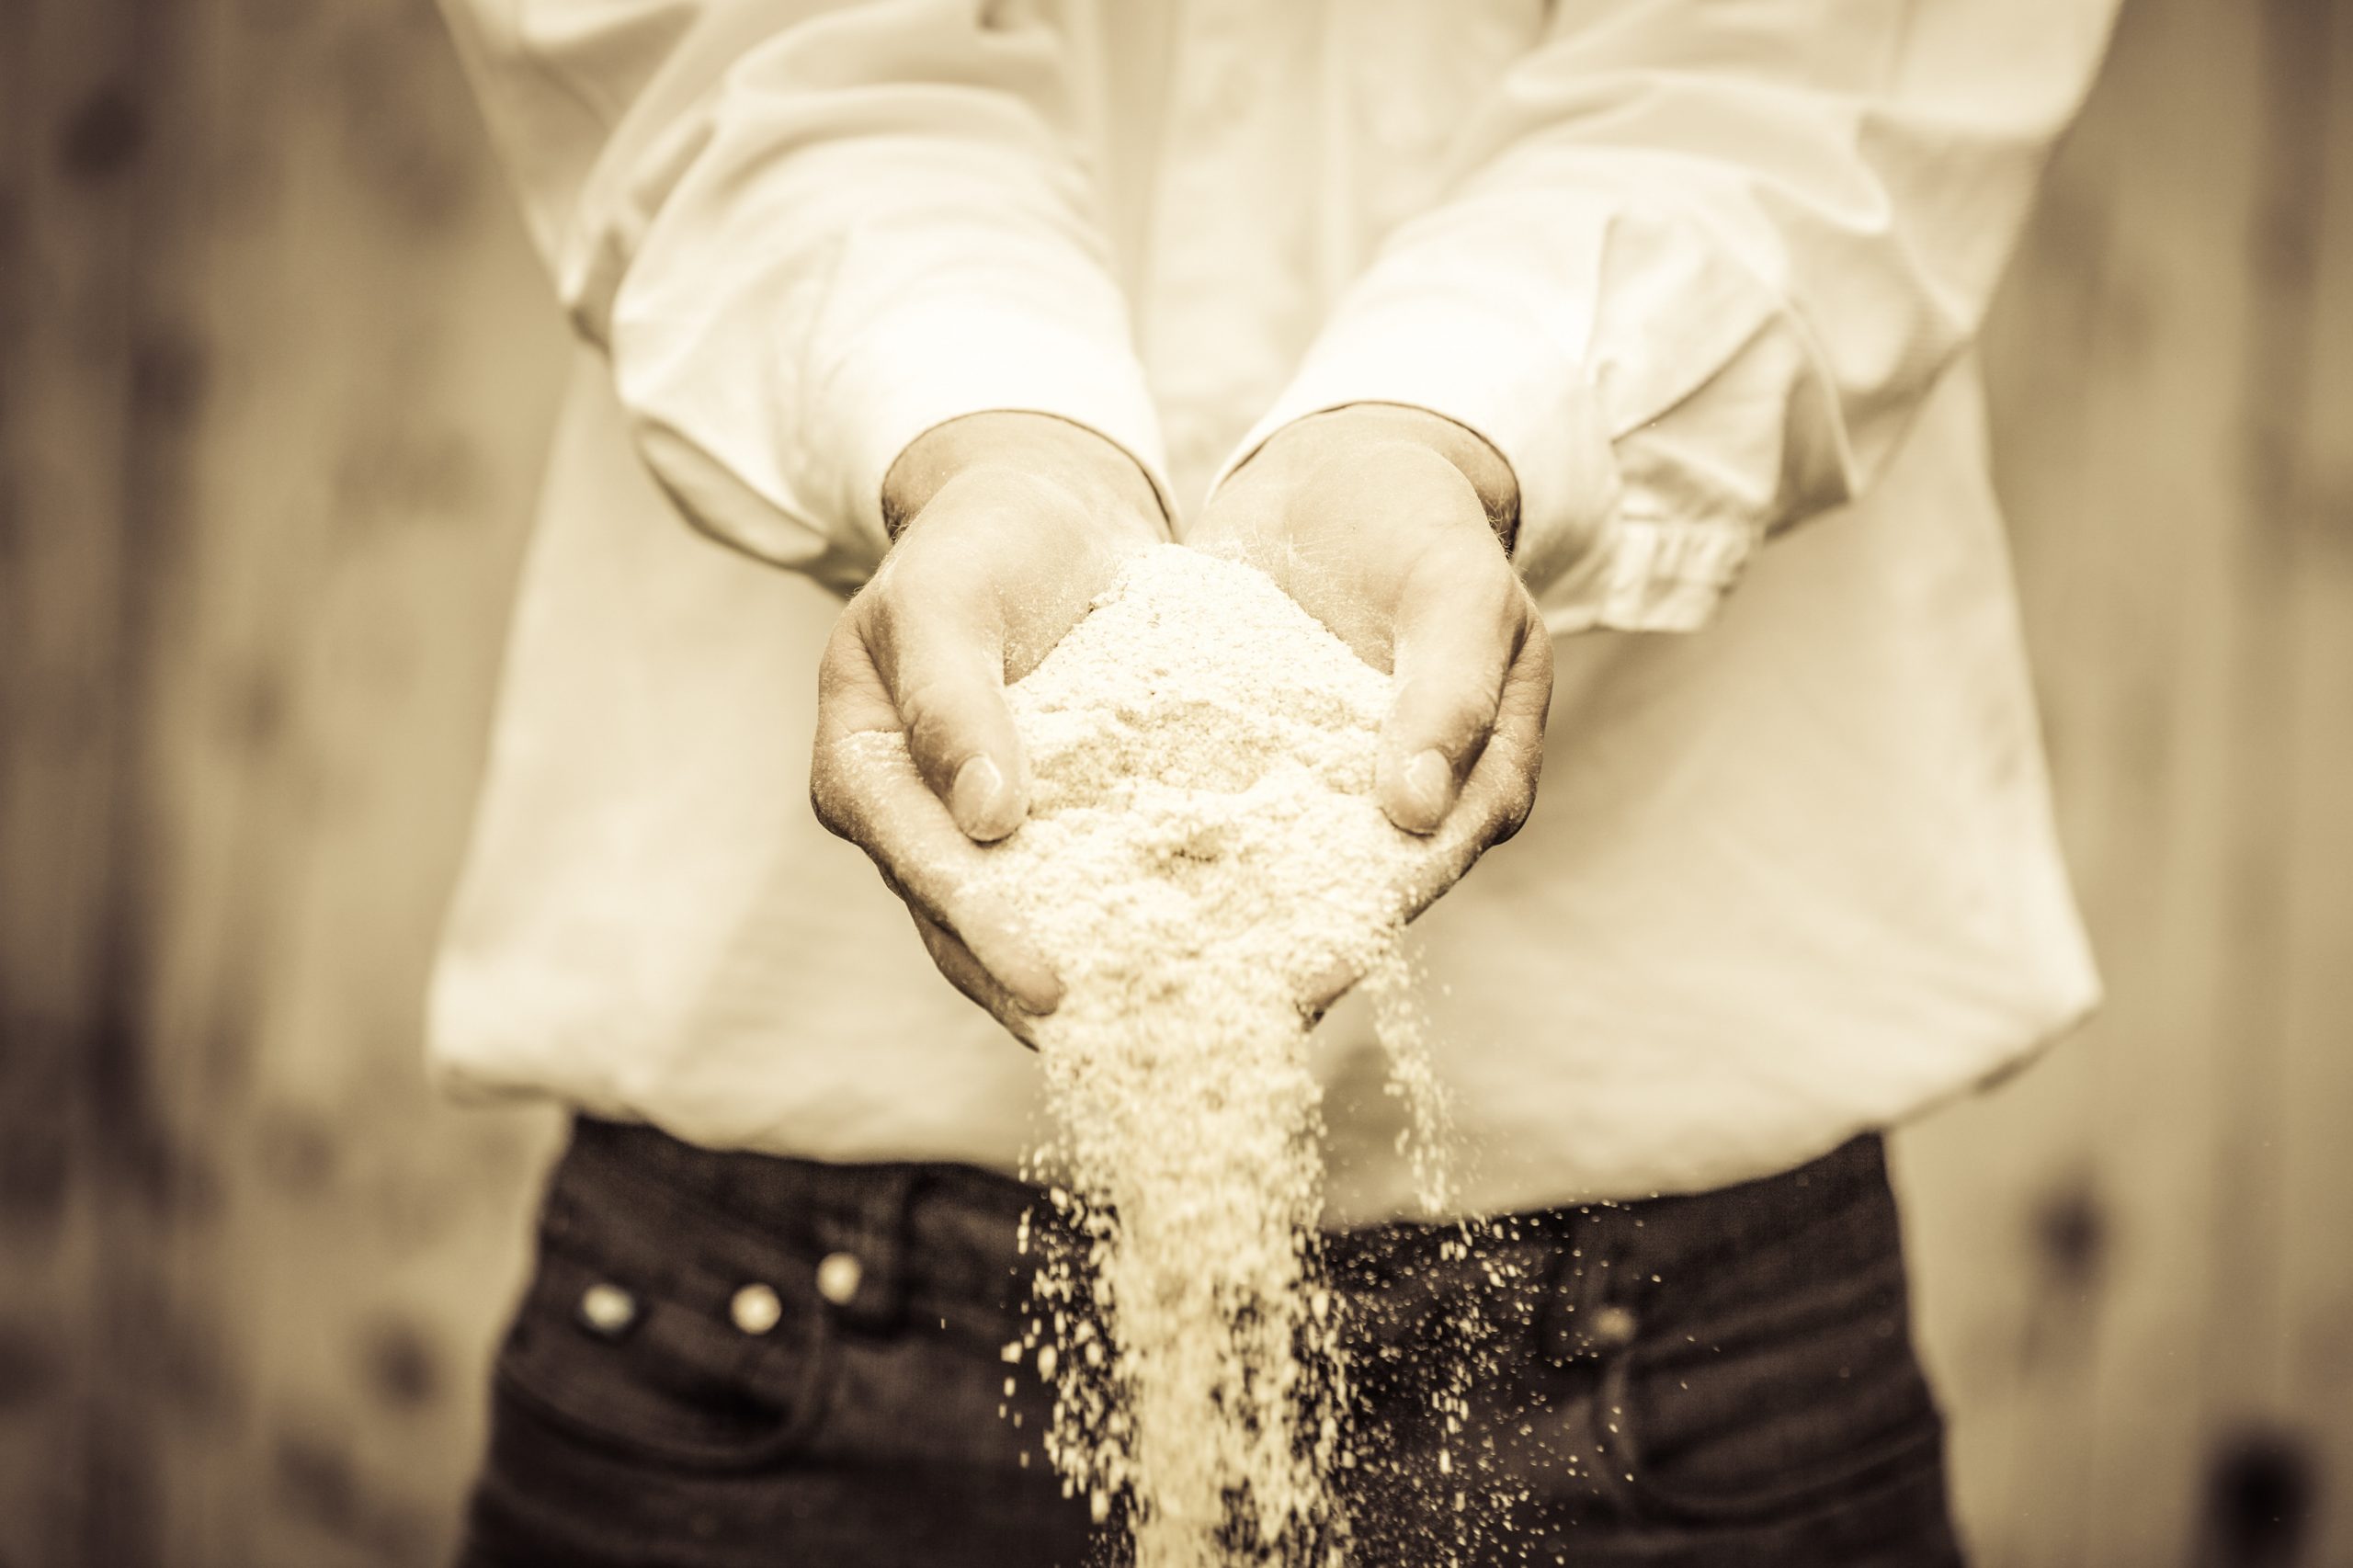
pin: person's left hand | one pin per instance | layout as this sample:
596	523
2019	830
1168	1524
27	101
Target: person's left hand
1390	526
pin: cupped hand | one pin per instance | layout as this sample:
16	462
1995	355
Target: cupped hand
1392	526
1006	526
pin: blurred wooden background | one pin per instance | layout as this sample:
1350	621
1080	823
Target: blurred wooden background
275	366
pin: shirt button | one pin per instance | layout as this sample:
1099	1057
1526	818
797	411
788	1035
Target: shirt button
1614	1328
756	1308
607	1309
838	1275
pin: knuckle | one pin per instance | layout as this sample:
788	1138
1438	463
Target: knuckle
1514	815
1518	802
928	699
939	735
821	806
827	795
903	893
845	648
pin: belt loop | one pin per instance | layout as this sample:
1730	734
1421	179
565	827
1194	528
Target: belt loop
880	1244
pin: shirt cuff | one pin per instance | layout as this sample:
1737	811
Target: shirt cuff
1648	574
808	495
1586	551
930	365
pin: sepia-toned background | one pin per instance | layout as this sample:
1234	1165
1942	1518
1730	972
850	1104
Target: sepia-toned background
275	366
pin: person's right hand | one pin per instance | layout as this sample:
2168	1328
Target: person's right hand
1006	527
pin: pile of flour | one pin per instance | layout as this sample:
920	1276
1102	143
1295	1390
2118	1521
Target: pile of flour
1202	847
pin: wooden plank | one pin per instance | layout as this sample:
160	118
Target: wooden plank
2305	1371
277	370
76	1456
382	358
2065	1226
2263	1438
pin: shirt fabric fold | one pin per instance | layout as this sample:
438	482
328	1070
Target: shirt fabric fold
1701	275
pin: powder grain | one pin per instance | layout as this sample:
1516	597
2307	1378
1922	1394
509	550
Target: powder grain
1202	851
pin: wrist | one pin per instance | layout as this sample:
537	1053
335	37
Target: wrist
1094	469
1317	438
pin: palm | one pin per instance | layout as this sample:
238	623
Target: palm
1388	544
1353	539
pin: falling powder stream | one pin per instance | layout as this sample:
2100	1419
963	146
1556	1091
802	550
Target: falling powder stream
1202	847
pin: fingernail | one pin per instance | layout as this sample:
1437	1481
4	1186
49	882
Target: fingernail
1035	987
1039	994
973	799
1330	984
1428	778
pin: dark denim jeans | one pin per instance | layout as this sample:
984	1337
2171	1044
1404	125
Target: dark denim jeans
727	1359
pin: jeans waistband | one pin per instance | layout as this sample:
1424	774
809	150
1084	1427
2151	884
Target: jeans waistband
947	1233
1663	1259
950	1230
1695	1229
797	1198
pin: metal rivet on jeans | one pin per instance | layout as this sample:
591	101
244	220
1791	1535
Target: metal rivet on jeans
838	1276
756	1308
607	1308
1613	1328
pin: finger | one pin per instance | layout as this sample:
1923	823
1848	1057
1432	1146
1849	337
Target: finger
969	975
930	864
1459	624
1327	987
1502	787
940	651
865	788
1500	792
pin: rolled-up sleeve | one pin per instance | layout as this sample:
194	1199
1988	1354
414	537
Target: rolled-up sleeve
1700	264
804	233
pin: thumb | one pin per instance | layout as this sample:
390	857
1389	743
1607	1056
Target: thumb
1458	627
947	677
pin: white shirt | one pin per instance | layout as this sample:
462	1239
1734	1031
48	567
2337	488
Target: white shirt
1703	273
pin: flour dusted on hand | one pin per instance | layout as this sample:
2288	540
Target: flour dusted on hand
1203	847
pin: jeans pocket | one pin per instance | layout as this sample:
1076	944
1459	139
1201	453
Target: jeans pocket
633	1338
1811	1401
